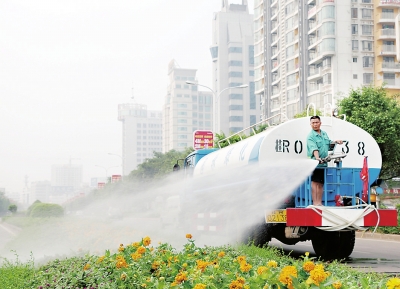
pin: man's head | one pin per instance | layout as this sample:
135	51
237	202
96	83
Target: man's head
315	123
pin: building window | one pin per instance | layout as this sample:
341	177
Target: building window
235	49
235	118
235	74
354	29
253	119
367	45
182	105
367	78
389	78
236	107
354	13
355	76
233	84
355	59
235	63
366	13
366	29
252	89
368	61
251	54
235	96
251	72
354	45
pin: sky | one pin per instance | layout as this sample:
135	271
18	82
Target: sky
66	65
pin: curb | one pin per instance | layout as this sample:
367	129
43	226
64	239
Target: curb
377	236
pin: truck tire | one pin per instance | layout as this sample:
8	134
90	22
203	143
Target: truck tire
333	245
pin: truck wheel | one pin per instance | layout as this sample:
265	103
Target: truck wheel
259	235
333	245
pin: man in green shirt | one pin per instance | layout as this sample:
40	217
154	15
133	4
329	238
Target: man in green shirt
317	148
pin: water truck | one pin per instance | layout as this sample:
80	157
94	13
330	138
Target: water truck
293	218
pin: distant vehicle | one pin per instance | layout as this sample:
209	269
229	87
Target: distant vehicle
331	227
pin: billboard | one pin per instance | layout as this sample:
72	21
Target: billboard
115	178
100	185
203	139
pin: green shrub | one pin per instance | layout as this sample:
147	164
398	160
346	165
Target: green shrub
42	210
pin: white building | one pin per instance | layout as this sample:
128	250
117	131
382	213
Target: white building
185	109
141	134
314	51
66	178
232	52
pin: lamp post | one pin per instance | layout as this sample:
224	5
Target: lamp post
106	169
216	98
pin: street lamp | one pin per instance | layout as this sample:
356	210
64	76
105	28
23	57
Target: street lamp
106	169
216	98
122	162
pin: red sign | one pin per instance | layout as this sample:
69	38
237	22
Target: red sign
100	185
203	139
115	178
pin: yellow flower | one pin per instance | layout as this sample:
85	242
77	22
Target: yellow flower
318	274
189	236
135	244
180	277
306	254
146	241
308	266
184	265
87	267
155	265
241	280
141	250
121	263
245	267
123	276
261	270
136	256
200	286
144	285
100	259
286	276
272	264
393	283
235	285
121	248
241	259
221	254
337	284
201	265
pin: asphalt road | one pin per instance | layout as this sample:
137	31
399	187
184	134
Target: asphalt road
369	255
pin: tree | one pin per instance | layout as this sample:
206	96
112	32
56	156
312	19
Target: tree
13	208
159	166
4	203
374	111
235	137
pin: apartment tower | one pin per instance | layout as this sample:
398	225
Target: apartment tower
314	51
232	52
141	134
185	109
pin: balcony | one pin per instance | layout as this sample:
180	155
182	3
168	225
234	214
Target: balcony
314	73
388	50
387	3
386	17
390	67
387	34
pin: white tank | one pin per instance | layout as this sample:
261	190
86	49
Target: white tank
288	141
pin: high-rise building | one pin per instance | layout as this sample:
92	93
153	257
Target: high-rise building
232	52
66	178
387	43
141	134
185	109
314	51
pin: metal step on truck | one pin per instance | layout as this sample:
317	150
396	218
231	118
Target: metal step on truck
260	188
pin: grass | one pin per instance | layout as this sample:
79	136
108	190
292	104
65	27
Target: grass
141	265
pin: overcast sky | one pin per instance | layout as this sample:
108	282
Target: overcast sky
66	65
